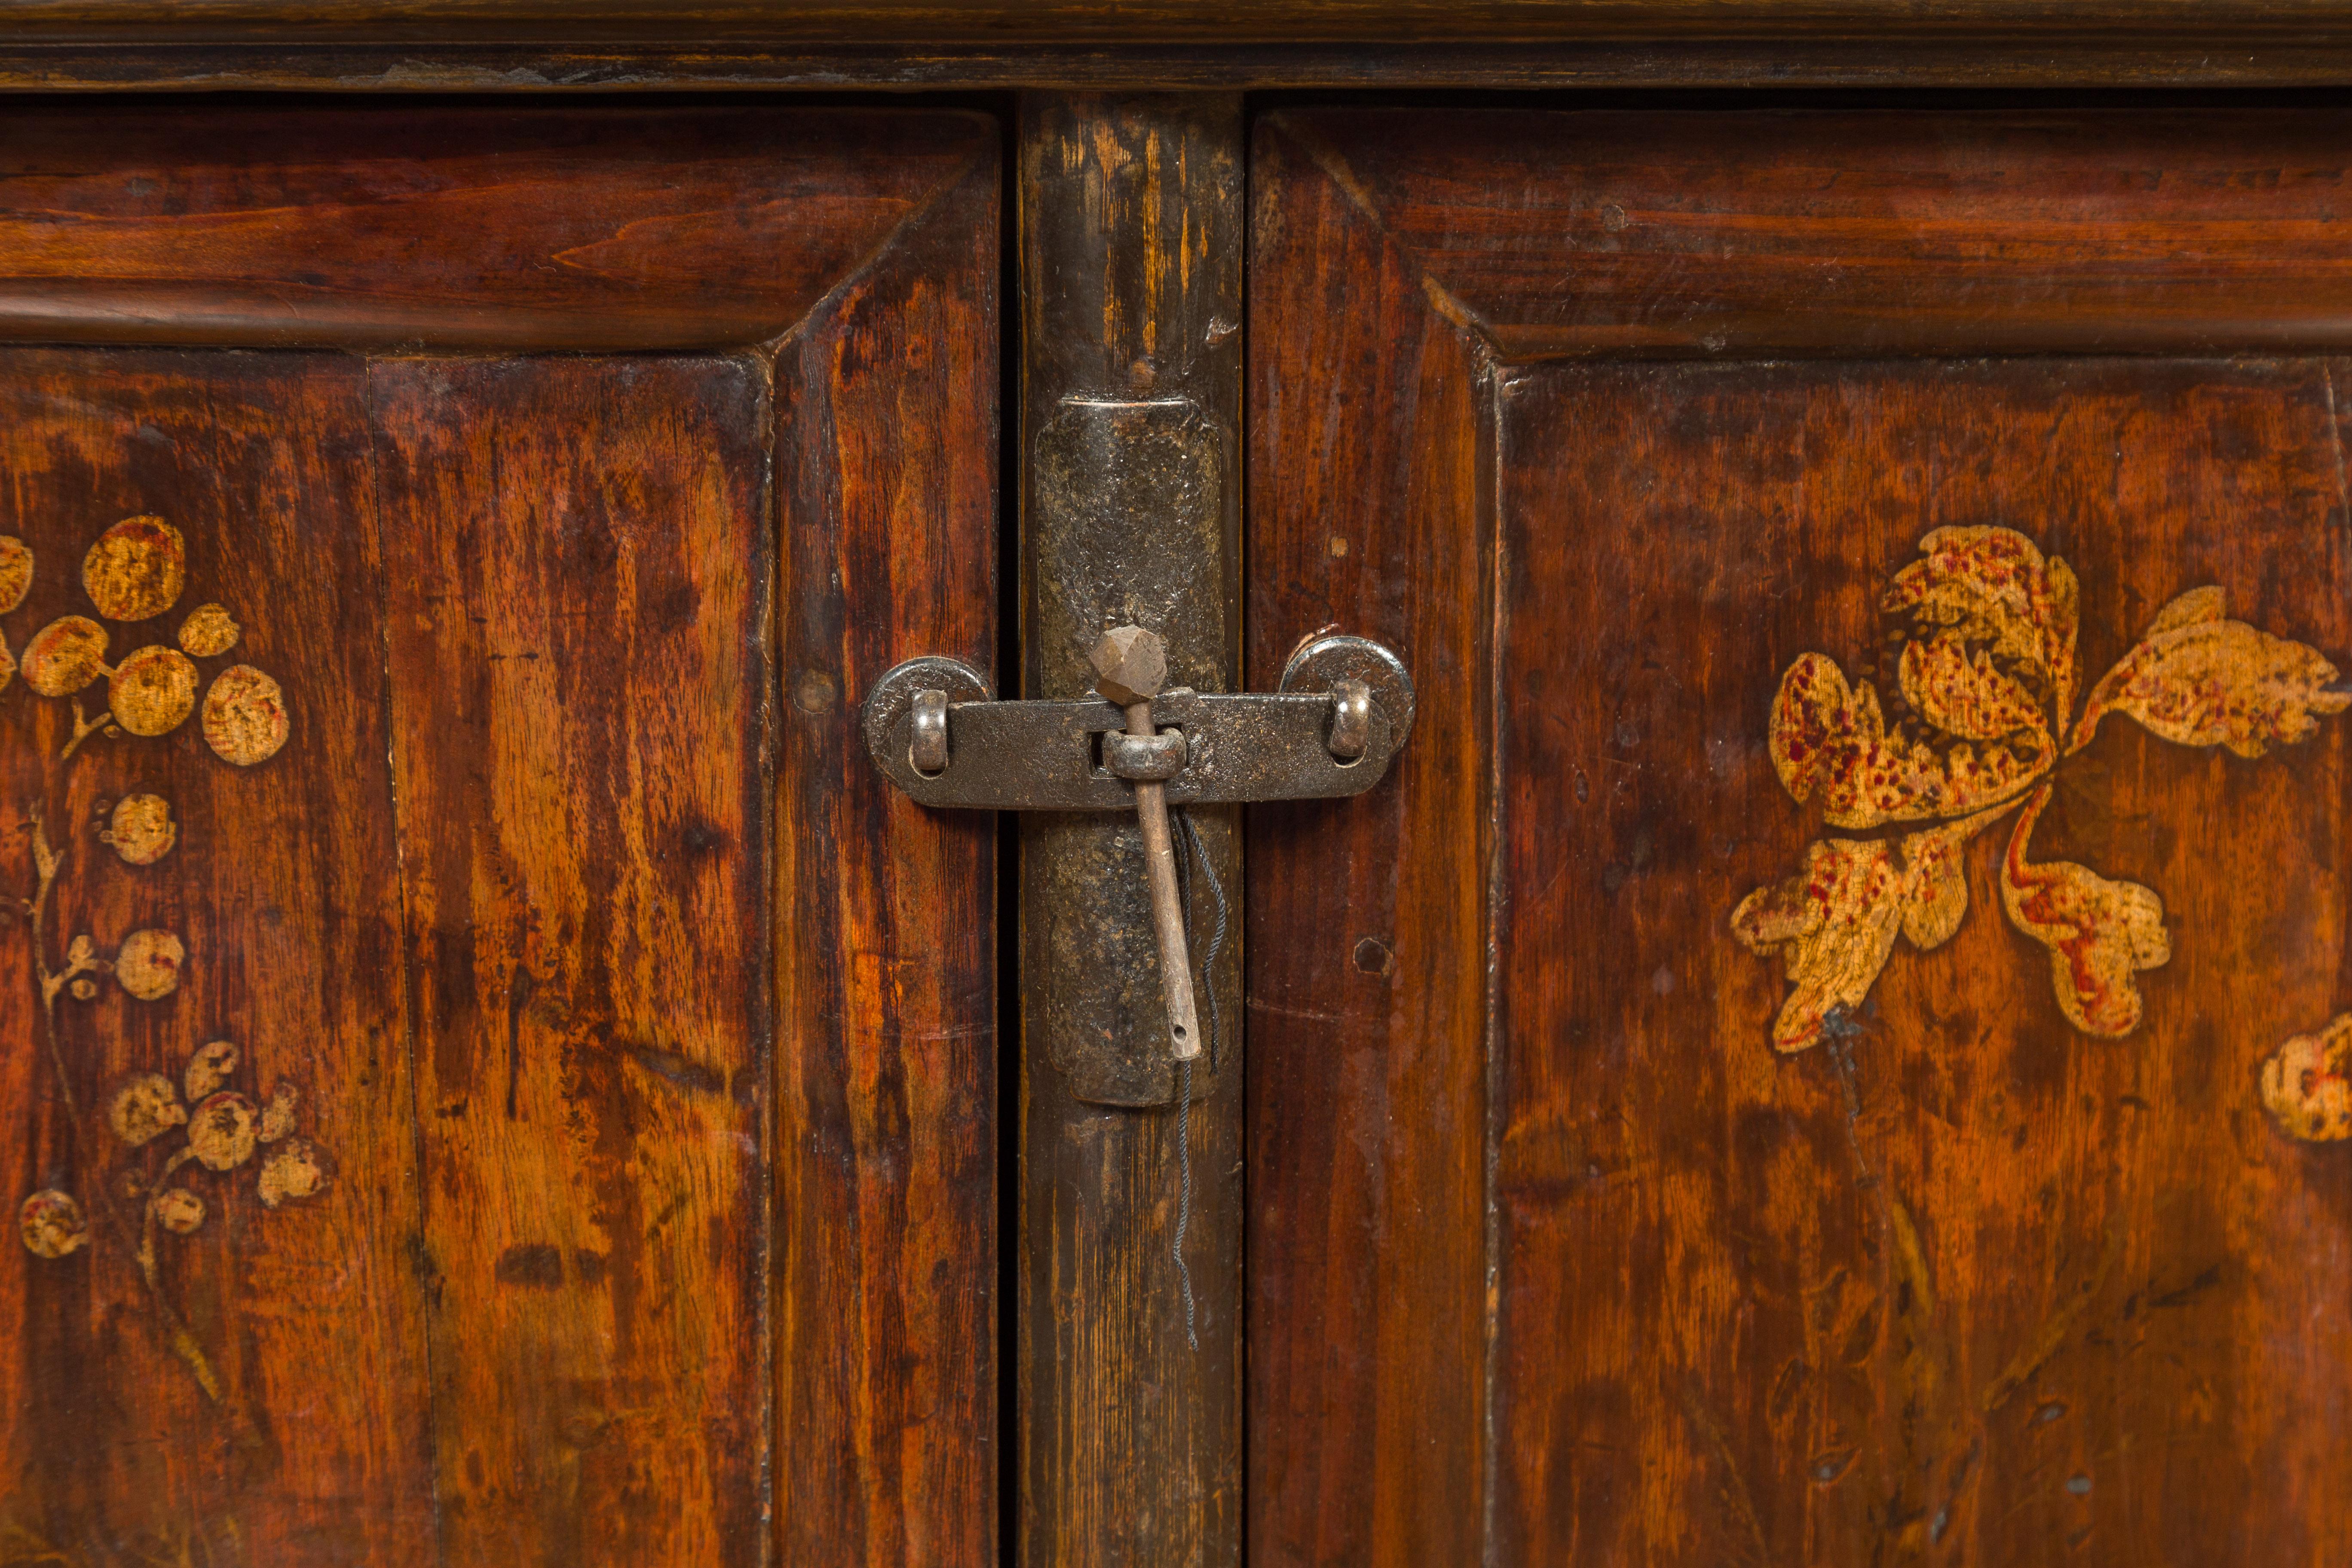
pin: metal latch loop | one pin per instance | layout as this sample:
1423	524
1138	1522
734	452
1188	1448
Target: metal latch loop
1142	757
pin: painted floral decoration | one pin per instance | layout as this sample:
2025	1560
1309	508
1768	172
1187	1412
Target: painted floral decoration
168	1128
1989	676
134	572
2306	1086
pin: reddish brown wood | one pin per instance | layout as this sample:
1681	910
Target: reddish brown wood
577	681
2142	55
2026	1291
1367	971
1887	232
886	1162
605	1272
919	22
283	886
1969	1286
386	226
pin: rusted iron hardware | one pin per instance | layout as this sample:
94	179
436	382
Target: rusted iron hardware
1130	667
1344	710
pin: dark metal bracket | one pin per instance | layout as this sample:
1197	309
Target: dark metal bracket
1344	710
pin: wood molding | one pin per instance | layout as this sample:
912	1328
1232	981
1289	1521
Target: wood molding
368	226
2217	57
1079	22
2006	231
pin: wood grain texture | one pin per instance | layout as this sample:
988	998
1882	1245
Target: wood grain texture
283	885
1965	1285
1131	1437
888	1136
1266	21
2139	57
1889	232
517	906
1367	976
577	674
395	226
1969	1286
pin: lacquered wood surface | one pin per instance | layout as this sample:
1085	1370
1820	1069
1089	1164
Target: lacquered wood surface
582	859
2144	230
1367	946
379	225
284	884
887	1146
636	1200
1554	1258
1093	21
1967	1284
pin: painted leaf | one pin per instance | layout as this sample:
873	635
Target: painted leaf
179	1211
277	1116
149	965
141	829
245	716
295	1169
208	1069
1829	736
2099	933
1966	695
208	632
144	1109
16	572
1992	586
2200	679
1834	923
152	691
2304	1086
221	1131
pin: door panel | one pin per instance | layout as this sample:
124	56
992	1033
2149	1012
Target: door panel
576	620
287	1339
514	1229
1874	1130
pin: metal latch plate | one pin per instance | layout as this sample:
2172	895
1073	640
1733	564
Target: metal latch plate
1239	747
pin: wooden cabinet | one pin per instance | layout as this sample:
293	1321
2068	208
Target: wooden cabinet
1827	1046
1844	1065
494	1075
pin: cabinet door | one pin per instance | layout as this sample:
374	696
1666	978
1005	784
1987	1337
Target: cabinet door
492	1076
1832	1047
